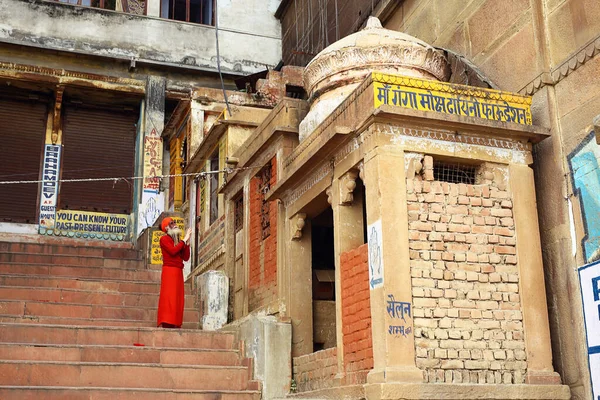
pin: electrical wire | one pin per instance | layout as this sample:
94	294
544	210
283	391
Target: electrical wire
116	179
219	57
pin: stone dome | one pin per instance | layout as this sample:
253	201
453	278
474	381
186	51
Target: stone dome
337	70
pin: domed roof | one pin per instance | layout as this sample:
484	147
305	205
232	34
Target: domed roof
369	49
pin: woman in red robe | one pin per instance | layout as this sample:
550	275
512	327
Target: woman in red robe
172	296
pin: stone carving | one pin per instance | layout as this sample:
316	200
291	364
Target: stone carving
347	186
393	49
297	223
329	194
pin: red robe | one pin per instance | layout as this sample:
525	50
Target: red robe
172	296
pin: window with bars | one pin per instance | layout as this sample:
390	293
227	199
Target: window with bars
196	11
238	221
454	172
264	186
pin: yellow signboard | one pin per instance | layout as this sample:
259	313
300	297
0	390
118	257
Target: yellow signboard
155	251
91	224
424	95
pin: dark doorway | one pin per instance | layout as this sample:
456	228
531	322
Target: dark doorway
323	277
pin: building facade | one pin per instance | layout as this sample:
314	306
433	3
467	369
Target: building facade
372	192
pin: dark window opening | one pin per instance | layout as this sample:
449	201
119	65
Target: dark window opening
196	11
295	92
323	277
454	172
361	195
214	187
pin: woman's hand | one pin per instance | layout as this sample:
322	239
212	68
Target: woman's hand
188	235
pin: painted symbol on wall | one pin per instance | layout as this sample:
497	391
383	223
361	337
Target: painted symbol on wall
375	255
585	176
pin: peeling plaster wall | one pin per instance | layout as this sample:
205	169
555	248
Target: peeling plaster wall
249	34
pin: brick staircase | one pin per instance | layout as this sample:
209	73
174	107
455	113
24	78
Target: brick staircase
77	322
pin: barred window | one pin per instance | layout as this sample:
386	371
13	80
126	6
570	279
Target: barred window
454	172
238	221
264	186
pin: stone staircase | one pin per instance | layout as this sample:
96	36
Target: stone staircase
77	321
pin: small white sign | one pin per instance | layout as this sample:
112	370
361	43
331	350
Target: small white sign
375	255
49	192
589	278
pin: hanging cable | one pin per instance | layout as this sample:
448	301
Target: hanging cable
219	57
128	178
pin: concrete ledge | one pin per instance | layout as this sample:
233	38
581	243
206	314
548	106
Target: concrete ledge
460	391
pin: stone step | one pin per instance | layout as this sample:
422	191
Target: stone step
87	272
56	295
99	322
70	260
118	354
111	336
91	284
77	393
126	251
157	376
21	308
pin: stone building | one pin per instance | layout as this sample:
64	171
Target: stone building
376	194
89	89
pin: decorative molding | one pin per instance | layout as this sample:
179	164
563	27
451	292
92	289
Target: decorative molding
31	69
347	185
329	194
453	137
557	74
407	55
297	223
309	182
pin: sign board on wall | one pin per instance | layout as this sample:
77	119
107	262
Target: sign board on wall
426	95
155	251
374	238
92	225
589	278
49	192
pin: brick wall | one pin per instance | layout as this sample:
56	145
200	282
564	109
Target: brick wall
316	370
356	314
263	252
467	311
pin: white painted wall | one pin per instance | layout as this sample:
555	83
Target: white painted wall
250	36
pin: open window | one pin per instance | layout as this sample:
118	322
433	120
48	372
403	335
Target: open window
196	11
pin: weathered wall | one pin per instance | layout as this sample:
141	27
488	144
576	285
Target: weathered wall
263	251
356	314
468	322
549	49
244	47
316	370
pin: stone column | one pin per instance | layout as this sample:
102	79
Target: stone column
531	278
393	340
300	288
152	204
348	235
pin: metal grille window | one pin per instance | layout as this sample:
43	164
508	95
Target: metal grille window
238	221
264	186
454	173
